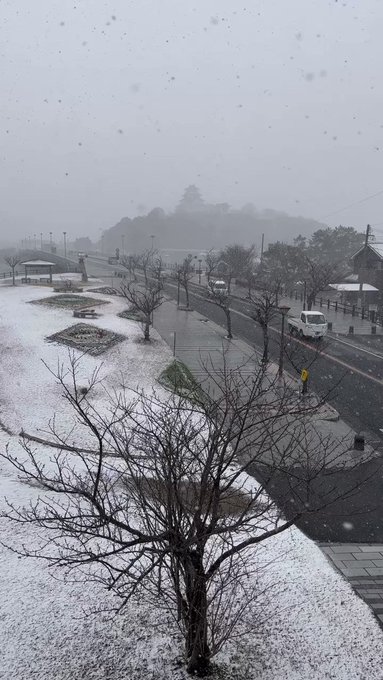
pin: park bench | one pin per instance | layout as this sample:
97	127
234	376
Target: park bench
85	313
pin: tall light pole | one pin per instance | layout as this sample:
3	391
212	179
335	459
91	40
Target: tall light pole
283	310
64	232
50	240
178	286
41	240
34	238
152	236
199	271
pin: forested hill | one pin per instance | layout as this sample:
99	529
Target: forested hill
214	226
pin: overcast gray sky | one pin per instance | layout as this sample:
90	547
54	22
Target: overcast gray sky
111	108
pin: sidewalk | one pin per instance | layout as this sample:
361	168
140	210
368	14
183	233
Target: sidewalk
362	565
195	339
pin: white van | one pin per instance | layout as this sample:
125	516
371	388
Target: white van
219	288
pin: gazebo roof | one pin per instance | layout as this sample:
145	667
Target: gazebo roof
353	287
38	263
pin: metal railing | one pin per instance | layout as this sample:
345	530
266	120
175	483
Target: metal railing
5	275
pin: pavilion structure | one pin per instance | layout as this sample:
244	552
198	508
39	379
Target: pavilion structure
40	268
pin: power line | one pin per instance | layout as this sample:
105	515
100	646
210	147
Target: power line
351	205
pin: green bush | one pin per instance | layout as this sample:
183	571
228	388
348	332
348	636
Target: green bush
178	378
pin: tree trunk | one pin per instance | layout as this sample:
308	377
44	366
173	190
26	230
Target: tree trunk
310	300
197	648
187	295
265	356
13	276
147	328
228	323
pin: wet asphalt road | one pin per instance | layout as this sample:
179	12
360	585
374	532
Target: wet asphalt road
351	379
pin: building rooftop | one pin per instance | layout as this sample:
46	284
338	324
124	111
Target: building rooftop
376	248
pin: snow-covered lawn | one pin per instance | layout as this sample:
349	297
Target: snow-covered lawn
316	627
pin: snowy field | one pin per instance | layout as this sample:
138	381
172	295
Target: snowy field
315	627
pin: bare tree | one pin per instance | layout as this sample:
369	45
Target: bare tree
185	274
13	261
211	260
157	269
265	308
164	509
222	300
146	262
317	276
131	262
238	260
145	300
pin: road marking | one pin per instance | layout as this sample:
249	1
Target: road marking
349	367
357	347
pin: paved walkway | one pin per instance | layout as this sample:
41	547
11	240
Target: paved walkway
362	565
194	340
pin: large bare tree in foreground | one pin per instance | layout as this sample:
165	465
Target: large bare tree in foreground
164	508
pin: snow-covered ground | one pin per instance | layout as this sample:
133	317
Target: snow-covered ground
316	627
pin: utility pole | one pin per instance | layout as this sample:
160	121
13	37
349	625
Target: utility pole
364	265
262	244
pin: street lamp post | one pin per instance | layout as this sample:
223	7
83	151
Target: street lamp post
50	240
199	271
64	232
34	238
283	310
41	240
152	236
178	287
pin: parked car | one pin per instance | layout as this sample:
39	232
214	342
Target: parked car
219	288
309	324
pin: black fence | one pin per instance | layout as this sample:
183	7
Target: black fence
5	275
